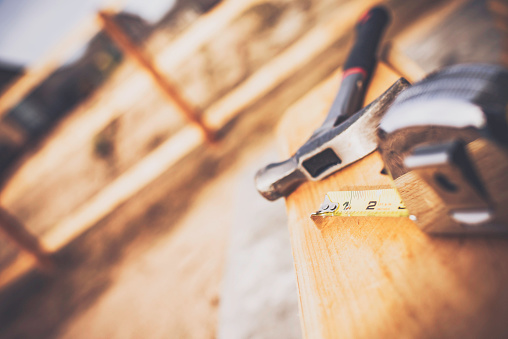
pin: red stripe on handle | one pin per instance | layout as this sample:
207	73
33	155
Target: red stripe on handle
365	16
354	70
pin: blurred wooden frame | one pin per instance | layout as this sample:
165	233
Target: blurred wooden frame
9	225
37	252
37	73
187	44
268	77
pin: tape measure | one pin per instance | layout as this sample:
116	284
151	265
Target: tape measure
377	203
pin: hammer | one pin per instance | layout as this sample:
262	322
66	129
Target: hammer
344	137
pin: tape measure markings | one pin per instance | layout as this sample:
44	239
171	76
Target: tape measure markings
381	202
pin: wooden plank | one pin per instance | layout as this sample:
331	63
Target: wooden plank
123	187
38	194
383	277
107	200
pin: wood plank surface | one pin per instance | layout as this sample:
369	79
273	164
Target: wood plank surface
368	277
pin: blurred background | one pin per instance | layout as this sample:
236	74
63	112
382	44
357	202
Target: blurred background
130	133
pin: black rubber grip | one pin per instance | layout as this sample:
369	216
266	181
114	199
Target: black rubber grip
369	30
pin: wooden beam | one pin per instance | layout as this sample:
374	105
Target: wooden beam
146	63
113	195
124	187
365	277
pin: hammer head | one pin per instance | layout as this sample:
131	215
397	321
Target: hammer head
328	150
279	179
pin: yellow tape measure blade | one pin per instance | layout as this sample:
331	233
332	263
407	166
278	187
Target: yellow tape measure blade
370	203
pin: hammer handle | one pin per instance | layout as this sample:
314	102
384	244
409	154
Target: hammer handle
369	30
358	68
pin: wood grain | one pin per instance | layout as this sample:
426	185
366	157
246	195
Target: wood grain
369	277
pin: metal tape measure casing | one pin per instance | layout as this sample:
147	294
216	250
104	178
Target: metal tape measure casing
445	143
